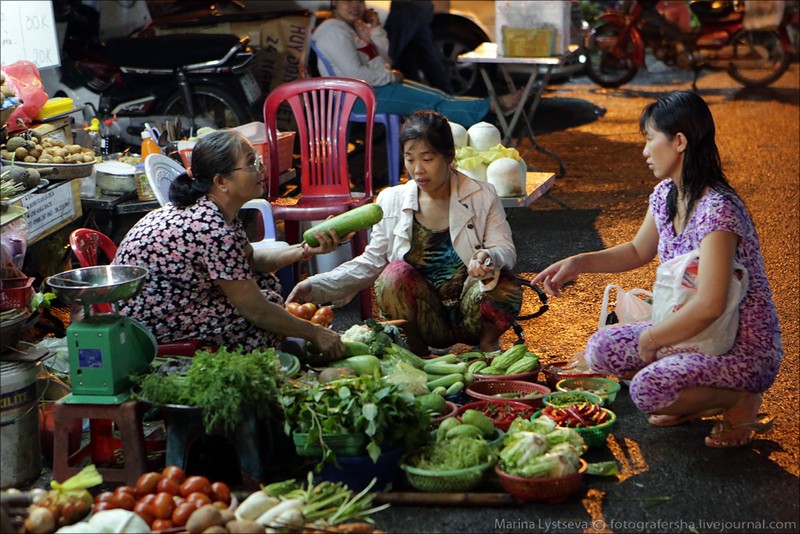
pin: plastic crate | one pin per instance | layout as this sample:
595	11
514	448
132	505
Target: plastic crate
15	293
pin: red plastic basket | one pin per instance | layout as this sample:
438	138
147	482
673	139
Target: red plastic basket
487	389
450	409
15	293
554	372
550	490
502	414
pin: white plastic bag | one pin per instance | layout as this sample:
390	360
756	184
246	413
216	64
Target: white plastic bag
676	284
631	306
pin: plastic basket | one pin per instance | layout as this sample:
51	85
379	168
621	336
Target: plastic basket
560	399
486	389
445	481
502	414
549	490
593	436
554	373
450	409
610	388
15	293
340	444
358	471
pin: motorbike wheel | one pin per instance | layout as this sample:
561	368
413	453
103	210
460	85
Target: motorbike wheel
213	107
759	58
603	66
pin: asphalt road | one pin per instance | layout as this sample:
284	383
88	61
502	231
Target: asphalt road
669	481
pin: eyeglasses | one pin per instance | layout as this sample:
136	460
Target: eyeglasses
257	167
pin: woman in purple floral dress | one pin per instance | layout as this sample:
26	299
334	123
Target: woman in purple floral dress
692	207
205	280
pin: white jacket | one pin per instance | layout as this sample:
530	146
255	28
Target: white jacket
477	222
339	43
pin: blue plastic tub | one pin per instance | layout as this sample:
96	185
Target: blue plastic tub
358	471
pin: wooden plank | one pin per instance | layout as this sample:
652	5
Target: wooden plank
536	185
415	498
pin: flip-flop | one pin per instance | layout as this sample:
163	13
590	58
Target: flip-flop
675	420
717	438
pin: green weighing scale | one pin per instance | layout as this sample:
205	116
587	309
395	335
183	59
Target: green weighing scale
105	349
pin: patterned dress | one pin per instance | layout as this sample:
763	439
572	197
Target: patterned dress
753	361
186	251
429	289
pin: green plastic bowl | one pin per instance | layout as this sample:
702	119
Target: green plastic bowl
560	399
602	387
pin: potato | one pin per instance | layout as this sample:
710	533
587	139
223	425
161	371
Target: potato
57	142
29	159
46	143
88	157
203	518
243	526
216	529
5	154
45	159
61	152
21	152
58	159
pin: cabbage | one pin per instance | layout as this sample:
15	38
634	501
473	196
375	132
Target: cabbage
522	447
407	377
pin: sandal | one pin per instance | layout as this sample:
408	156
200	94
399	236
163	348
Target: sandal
725	435
675	420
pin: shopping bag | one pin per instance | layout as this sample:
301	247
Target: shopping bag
676	284
631	306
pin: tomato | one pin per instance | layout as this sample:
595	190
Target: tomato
161	524
123	500
102	505
167	485
145	511
105	496
221	492
148	499
293	308
175	473
163	506
147	483
308	310
125	489
193	484
199	499
181	514
324	313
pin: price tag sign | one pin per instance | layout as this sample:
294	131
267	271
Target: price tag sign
48	209
28	32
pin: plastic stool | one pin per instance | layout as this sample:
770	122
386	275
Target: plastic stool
392	124
128	418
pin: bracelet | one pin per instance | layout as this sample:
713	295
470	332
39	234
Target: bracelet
650	336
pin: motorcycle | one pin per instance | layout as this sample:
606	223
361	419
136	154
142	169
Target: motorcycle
615	49
198	79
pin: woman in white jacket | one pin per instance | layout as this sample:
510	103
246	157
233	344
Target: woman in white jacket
353	44
442	255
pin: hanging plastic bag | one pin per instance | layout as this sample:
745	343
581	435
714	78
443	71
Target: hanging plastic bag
631	306
676	284
24	78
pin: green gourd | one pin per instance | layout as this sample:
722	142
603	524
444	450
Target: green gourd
344	223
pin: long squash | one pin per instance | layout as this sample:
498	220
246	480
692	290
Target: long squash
344	223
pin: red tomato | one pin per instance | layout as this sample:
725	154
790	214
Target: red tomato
167	485
293	308
163	506
161	524
102	505
221	492
199	499
324	313
145	511
175	473
181	514
147	483
125	489
193	484
123	500
148	499
105	496
308	310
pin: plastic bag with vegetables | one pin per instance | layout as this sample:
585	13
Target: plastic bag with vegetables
71	501
408	377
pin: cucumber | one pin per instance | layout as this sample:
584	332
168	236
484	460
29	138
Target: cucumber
431	402
480	420
344	223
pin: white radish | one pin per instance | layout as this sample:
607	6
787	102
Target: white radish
254	505
270	516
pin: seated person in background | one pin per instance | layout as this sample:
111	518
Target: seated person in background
203	271
692	207
411	46
356	46
441	258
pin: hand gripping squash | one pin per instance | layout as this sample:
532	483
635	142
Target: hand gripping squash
344	223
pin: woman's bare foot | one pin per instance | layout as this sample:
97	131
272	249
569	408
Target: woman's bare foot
508	102
739	424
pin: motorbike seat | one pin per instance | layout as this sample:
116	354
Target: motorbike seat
168	51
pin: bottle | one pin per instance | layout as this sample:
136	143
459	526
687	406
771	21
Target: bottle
149	146
95	141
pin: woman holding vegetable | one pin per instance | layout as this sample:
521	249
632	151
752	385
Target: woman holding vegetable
204	280
442	255
693	207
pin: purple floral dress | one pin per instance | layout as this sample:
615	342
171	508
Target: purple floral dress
186	250
753	361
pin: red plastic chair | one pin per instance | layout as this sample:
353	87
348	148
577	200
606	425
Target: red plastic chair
322	110
85	243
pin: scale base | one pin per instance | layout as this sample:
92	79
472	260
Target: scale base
119	398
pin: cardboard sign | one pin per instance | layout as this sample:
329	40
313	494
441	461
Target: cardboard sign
52	209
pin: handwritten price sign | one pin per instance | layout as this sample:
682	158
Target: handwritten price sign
28	32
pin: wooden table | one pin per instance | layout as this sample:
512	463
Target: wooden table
536	185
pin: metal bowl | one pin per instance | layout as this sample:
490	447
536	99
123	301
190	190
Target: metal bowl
94	285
